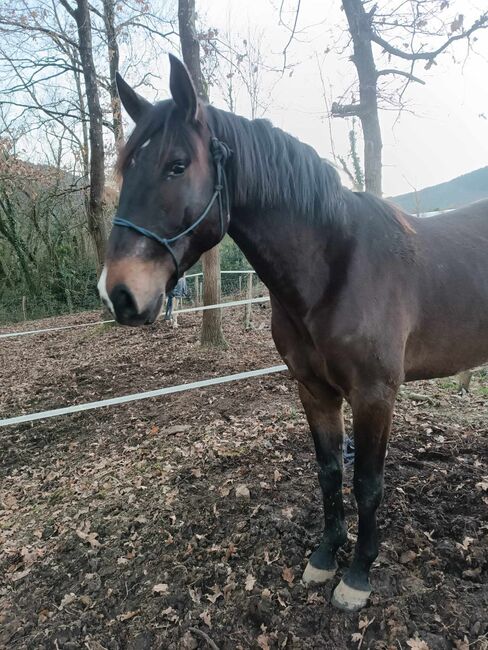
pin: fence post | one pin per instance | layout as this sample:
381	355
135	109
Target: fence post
248	307
24	310
197	290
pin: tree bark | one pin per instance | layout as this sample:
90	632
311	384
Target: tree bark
211	334
367	110
96	224
8	230
364	32
113	62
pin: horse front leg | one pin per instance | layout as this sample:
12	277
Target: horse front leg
372	416
323	408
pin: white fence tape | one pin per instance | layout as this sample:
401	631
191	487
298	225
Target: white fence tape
9	335
242	272
231	303
76	408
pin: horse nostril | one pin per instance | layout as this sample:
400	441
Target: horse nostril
124	304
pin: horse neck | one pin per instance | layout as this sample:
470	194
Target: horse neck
280	249
278	242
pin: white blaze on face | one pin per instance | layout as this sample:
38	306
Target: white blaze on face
143	146
102	290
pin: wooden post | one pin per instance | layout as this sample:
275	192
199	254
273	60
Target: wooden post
248	307
24	310
240	284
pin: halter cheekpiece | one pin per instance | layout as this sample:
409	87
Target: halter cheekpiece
220	153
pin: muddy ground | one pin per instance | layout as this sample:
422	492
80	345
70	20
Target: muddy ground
184	522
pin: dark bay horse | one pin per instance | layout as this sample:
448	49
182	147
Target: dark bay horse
364	297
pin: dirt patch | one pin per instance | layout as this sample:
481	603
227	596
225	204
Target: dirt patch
179	521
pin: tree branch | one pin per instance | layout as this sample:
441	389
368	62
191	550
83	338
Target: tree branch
151	30
292	34
68	8
481	23
409	76
36	28
345	110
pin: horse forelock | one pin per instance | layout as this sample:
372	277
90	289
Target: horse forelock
164	122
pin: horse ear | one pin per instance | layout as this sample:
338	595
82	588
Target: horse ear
134	104
182	89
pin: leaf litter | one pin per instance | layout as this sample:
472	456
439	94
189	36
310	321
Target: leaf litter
130	527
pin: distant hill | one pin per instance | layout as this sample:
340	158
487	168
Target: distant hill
452	194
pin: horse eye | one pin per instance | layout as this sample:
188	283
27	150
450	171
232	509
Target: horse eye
177	169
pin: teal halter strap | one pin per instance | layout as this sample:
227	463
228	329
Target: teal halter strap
220	154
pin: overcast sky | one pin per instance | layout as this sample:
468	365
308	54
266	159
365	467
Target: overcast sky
446	134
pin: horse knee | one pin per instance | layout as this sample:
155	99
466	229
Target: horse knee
368	492
330	475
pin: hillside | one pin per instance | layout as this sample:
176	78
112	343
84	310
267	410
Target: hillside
454	193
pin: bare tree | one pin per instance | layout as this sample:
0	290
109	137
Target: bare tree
130	23
55	58
65	42
401	32
239	70
96	224
113	62
68	52
211	334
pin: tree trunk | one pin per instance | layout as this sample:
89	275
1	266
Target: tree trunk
360	29
96	224
85	147
8	228
113	62
211	334
372	152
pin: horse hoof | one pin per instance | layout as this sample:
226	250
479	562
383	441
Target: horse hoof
317	576
349	599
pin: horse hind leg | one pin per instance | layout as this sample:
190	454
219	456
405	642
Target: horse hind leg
372	415
323	408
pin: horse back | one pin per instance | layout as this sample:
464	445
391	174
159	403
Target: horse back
449	329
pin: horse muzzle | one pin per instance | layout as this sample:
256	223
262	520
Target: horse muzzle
126	311
134	290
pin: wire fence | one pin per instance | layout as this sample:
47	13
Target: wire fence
241	283
124	399
242	288
244	284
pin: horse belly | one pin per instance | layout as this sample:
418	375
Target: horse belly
445	351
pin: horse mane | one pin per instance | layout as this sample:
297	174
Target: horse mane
276	170
269	168
387	211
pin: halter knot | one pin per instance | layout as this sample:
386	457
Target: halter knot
220	151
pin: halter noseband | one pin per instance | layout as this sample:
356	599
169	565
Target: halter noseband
220	154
